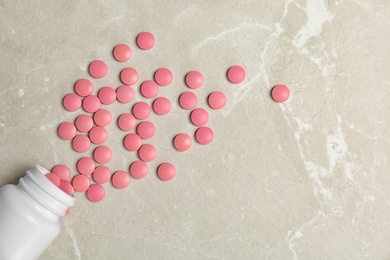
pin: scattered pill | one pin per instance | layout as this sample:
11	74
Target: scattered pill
53	178
204	135
138	169
146	130
101	174
86	165
96	193
124	94
149	89
194	79
102	154
217	100
236	74
91	103
162	106
280	93
145	40
62	171
199	116
129	76
163	77
182	142
66	187
98	135
141	110
147	153
81	183
132	142
83	87
81	143
72	102
107	95
188	100
84	123
126	122
67	130
120	179
98	69
122	52
166	171
102	117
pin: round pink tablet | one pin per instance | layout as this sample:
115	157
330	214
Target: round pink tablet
81	183
132	142
199	116
146	130
72	102
122	52
102	117
126	122
53	178
83	87
86	165
163	76
91	103
149	89
107	95
98	135
236	74
62	171
66	187
188	100
194	79
129	76
81	143
124	94
182	142
67	130
145	40
98	69
96	193
166	171
138	169
162	106
84	123
102	154
204	135
280	93
120	179
217	100
147	153
141	110
101	174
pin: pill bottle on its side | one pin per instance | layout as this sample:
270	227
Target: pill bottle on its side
29	215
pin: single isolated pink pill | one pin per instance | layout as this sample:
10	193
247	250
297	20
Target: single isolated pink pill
81	183
124	94
120	179
162	106
53	178
101	174
91	103
182	142
67	130
107	95
163	77
194	79
199	116
132	142
129	76
86	165
102	117
204	135
217	100
98	135
98	69
138	169
83	87
84	123
102	154
146	130
147	153
96	193
166	171
122	52
81	143
62	171
141	110
149	89
236	74
145	40
188	100
126	122
280	93
66	187
72	102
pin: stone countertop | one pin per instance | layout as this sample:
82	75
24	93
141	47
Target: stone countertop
305	179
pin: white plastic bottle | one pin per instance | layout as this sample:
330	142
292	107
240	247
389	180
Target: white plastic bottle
29	215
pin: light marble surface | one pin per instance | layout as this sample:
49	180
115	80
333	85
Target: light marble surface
307	179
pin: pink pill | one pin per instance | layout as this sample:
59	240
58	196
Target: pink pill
145	40
166	171
81	183
126	122
107	95
138	169
53	178
141	110
67	130
129	76
280	93
204	135
163	77
147	153
98	135
72	102
91	103
132	142
146	130
86	165
194	79
62	171
120	179
66	187
199	116
101	174
98	69
236	74
217	100
81	143
102	154
188	100
84	123
102	117
182	142
162	106
124	94
149	89
122	52
96	193
83	87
